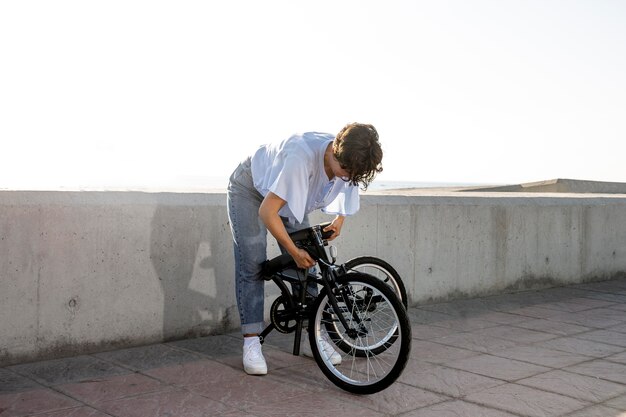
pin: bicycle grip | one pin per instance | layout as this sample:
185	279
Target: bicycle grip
328	234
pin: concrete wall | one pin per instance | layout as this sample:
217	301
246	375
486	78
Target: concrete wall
89	271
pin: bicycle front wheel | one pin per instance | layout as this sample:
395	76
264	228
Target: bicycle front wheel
373	313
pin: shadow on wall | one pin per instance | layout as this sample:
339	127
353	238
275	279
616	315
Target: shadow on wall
185	251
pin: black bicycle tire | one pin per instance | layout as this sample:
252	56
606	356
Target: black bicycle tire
404	333
362	260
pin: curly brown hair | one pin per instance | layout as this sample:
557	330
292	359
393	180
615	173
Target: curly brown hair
358	151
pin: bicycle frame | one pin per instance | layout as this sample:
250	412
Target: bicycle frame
313	240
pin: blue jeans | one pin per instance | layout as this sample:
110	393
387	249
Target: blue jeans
250	246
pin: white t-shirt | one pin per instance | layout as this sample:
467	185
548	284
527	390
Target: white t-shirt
294	170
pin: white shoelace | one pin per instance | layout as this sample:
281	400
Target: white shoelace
254	352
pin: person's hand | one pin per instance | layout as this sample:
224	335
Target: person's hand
335	227
303	259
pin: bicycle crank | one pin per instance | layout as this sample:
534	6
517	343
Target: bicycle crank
283	318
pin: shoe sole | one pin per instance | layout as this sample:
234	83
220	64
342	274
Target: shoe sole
255	371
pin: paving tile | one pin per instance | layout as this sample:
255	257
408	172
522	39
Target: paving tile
620	307
457	408
444	380
536	312
192	372
12	382
573	305
396	399
475	342
619	328
308	405
33	401
615	298
175	402
552	327
602	369
420	316
515	334
605	336
242	390
617	402
76	412
500	317
590	318
515	300
308	377
148	357
597	411
496	367
277	359
465	324
581	347
63	371
224	349
607	314
542	356
507	306
111	388
437	353
620	358
235	413
458	308
526	401
573	385
428	332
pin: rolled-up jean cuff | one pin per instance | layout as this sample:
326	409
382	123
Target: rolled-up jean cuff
252	328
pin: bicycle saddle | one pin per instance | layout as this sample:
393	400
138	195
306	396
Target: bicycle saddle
302	239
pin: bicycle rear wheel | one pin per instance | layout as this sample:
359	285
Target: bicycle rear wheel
382	270
374	314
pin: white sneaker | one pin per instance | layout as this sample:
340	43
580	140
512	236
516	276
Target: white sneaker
325	349
253	360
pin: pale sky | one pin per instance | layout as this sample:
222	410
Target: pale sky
150	93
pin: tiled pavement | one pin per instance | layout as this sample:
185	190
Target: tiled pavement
555	352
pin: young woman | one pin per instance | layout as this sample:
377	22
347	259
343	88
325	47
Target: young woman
275	189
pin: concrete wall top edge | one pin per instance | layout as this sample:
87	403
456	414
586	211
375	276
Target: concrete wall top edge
218	198
111	198
491	199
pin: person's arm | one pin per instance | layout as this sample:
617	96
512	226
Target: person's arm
268	212
335	226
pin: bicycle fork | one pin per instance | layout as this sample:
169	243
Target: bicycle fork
350	331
